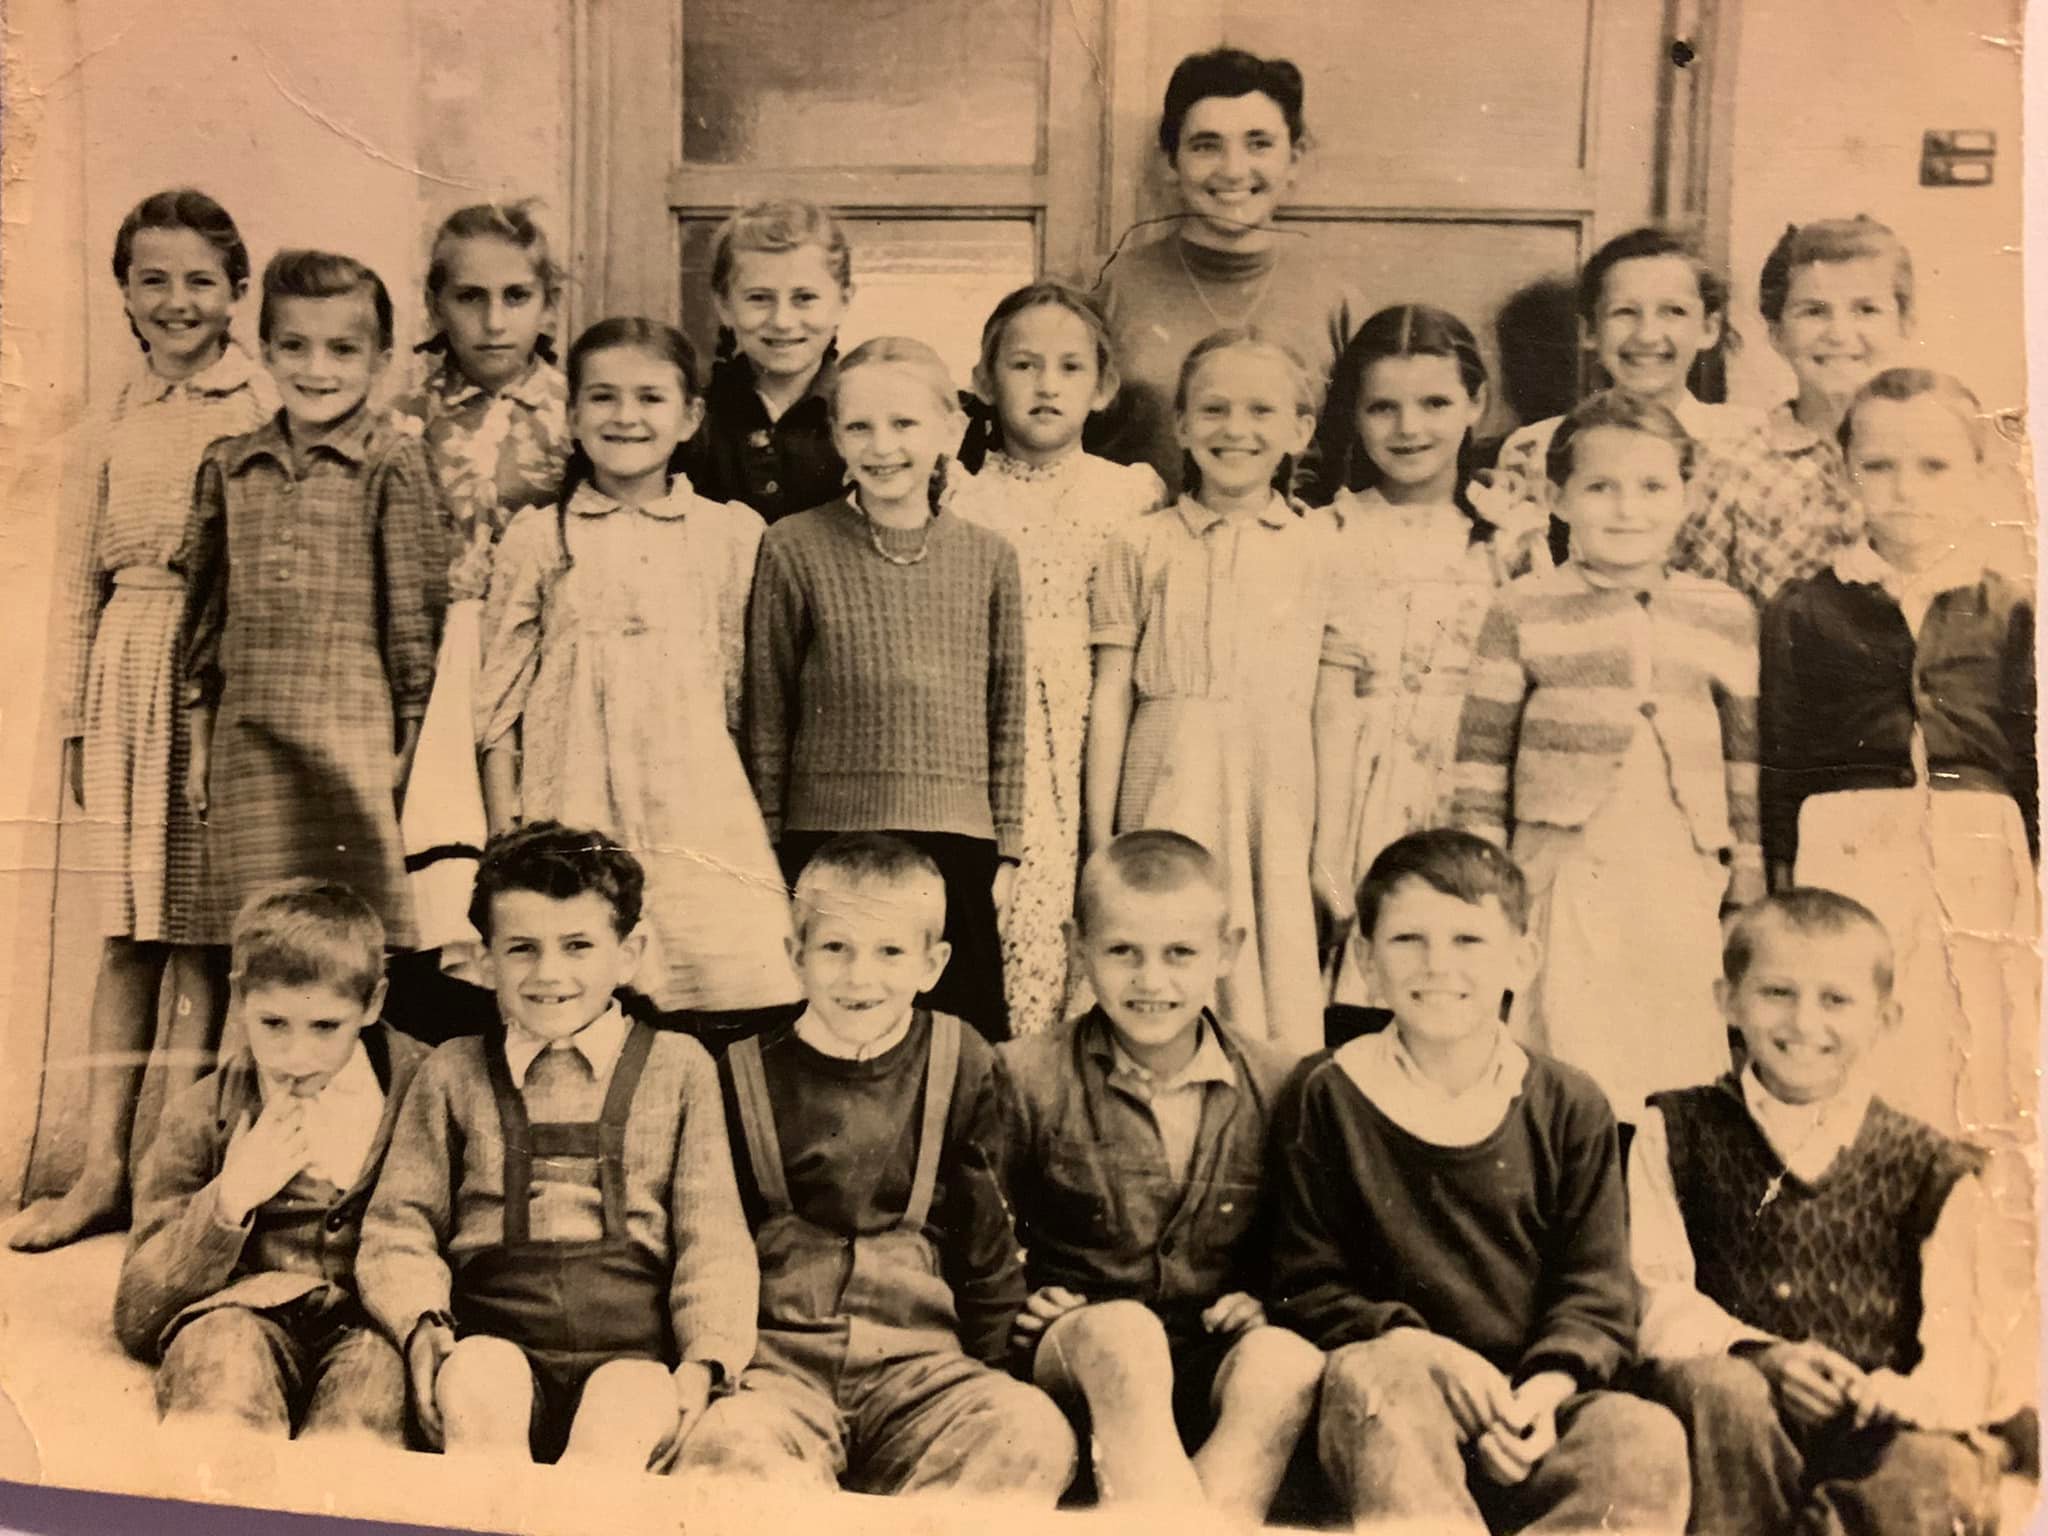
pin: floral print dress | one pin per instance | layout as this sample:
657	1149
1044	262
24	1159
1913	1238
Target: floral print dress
1059	518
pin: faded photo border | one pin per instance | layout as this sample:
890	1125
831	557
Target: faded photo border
44	166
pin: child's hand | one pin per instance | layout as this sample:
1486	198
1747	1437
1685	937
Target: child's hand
1000	888
1040	1309
425	1353
1511	1448
1237	1312
693	1394
1477	1394
197	763
74	769
1811	1382
262	1158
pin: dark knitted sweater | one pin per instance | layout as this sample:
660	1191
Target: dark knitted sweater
1837	1260
1515	1246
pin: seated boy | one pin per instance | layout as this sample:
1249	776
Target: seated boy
1805	1255
867	1139
240	1277
1136	1139
557	1239
1448	1221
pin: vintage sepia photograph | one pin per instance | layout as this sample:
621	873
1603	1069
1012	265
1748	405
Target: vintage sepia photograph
948	765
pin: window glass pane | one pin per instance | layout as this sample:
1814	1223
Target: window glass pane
797	83
935	279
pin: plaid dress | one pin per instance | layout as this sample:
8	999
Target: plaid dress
318	569
120	599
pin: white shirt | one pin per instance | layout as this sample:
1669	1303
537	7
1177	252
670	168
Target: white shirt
598	1043
1176	1100
826	1041
1954	1375
342	1120
1382	1069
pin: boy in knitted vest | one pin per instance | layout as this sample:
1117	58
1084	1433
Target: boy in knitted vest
556	1242
1804	1253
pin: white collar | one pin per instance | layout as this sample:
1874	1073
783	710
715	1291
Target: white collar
823	1039
1209	1064
1807	1137
598	1043
356	1079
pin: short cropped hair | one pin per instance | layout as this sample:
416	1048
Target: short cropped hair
323	275
1836	240
1614	408
307	932
1450	862
1151	860
560	863
1806	909
1903	384
872	858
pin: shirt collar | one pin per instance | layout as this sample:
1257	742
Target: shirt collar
1210	1063
1785	433
820	1037
349	441
1276	513
598	1042
589	501
1503	1074
539	386
234	369
357	1079
1807	1137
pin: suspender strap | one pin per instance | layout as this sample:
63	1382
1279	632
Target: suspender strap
942	1066
757	1121
611	1127
518	1134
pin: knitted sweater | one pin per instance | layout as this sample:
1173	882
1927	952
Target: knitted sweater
1515	1246
1162	298
1837	1260
1846	683
1565	670
884	696
442	1194
184	1258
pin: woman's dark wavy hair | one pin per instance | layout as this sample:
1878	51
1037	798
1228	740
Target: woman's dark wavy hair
1230	72
182	208
512	224
657	339
1405	330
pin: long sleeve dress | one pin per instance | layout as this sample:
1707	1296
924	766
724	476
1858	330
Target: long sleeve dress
1228	621
1059	519
493	455
317	576
613	637
126	557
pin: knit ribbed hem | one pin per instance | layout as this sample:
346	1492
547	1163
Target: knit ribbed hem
866	802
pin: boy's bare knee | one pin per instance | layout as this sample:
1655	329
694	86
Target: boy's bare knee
1033	1438
1271	1367
1376	1377
222	1364
1113	1345
628	1407
484	1377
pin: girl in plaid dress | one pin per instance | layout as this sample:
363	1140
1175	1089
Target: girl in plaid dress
493	413
309	647
181	265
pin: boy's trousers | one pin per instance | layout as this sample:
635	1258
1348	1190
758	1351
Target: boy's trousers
315	1362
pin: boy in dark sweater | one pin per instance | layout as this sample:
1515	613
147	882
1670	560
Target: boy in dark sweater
867	1139
1810	1307
240	1278
1448	1221
1136	1139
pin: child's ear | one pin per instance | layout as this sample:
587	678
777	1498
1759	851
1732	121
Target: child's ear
1232	947
1724	999
1107	383
1716	327
693	418
1528	960
1888	1014
373	1009
487	966
631	948
935	960
1482	400
794	948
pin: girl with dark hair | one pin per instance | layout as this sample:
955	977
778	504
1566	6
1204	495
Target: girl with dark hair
126	554
493	413
1045	366
1233	136
1423	561
609	696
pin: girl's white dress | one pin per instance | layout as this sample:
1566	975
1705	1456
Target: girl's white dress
1422	583
613	637
1059	518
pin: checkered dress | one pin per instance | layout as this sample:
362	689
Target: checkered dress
120	598
318	572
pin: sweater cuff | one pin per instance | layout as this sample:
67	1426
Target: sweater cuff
727	1356
1589	1358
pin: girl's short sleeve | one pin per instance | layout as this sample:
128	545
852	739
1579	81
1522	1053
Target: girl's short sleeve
1116	589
